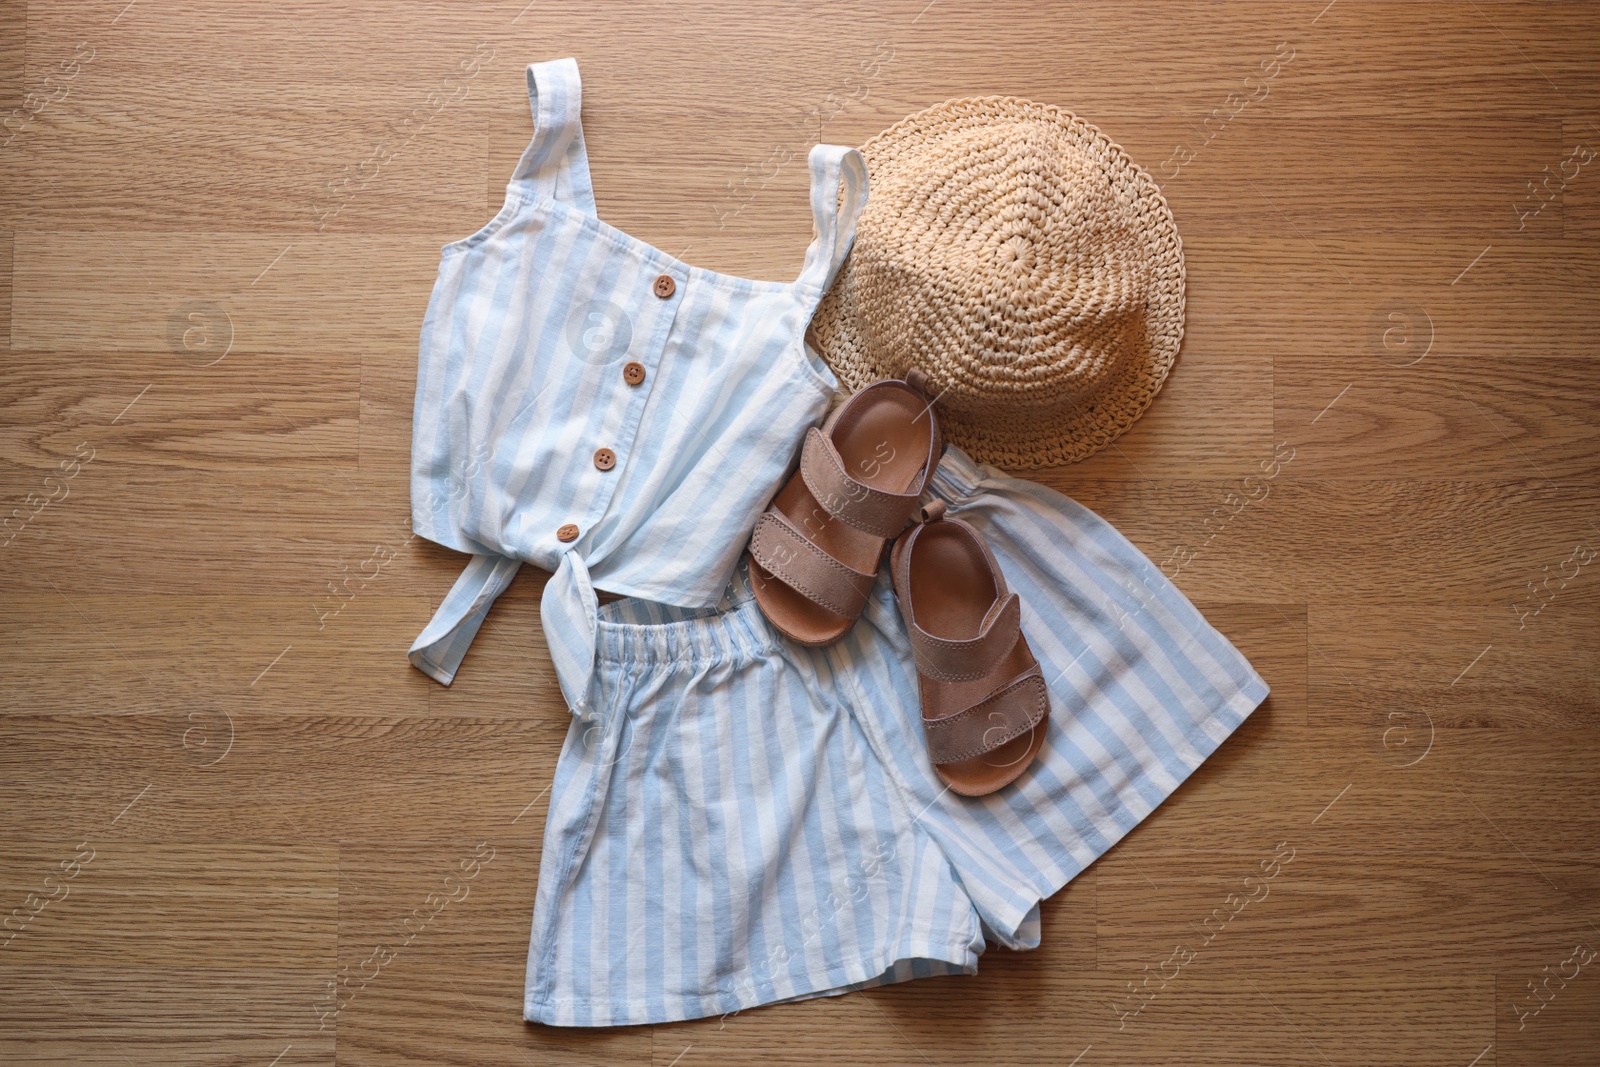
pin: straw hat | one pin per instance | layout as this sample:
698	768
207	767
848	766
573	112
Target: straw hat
1017	256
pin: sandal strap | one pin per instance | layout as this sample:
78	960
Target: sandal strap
968	660
872	511
795	560
1003	716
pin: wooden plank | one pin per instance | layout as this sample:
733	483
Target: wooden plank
1377	302
284	52
5	289
1291	540
749	214
297	530
249	169
220	907
1294	1018
298	410
1304	1018
89	118
1360	58
1249	911
1367	799
483	913
112	1016
1573	177
1450	415
1525	662
165	953
450	1011
371	51
13	53
1299	178
1542	1017
241	657
295	292
388	396
1199	427
310	779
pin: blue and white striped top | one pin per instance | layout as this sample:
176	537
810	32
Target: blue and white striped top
589	404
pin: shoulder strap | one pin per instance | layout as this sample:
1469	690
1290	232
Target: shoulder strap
555	162
838	193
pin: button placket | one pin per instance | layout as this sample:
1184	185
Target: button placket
635	373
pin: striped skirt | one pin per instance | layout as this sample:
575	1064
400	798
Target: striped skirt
748	821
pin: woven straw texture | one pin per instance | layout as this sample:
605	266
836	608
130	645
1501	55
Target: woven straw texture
1017	255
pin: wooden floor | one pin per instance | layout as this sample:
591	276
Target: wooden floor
222	786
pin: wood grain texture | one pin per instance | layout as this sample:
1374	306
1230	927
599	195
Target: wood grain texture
209	305
224	418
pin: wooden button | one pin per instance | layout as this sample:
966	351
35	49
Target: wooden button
605	459
633	373
568	532
665	286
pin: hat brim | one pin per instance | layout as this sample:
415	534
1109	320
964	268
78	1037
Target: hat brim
1031	437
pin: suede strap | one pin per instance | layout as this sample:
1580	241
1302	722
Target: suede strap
795	560
1003	716
872	511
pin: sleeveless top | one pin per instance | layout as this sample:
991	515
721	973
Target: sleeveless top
589	404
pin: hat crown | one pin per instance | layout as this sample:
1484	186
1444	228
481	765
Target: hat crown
1007	265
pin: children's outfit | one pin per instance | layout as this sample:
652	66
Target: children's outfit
736	819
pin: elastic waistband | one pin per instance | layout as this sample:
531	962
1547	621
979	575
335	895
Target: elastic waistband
632	631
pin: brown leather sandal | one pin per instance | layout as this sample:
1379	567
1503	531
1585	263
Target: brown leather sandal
984	701
815	552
